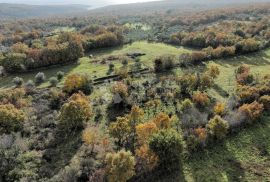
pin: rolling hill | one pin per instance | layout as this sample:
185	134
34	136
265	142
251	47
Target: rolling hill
8	11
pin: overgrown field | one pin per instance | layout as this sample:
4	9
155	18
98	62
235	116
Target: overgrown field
86	64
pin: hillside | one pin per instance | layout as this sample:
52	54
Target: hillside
29	11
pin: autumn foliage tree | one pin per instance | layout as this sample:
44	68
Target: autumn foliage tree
200	99
219	108
121	130
90	136
265	100
163	121
75	112
11	119
252	111
217	127
146	158
120	88
168	146
120	166
135	116
243	76
77	82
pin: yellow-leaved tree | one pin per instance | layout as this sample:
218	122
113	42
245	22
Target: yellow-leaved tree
75	112
120	166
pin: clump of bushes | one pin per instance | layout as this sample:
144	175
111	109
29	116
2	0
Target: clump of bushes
217	127
243	76
248	45
76	82
15	97
75	112
252	111
11	119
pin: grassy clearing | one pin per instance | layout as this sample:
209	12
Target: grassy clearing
85	65
242	157
258	62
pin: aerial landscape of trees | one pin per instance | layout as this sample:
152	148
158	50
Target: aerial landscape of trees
76	104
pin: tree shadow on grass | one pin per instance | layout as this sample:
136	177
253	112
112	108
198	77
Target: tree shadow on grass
215	164
221	91
256	59
160	176
61	151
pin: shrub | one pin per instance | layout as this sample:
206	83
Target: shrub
111	66
213	70
197	57
196	139
247	94
206	81
120	166
163	121
122	72
265	100
53	81
120	88
164	63
219	108
146	159
243	76
39	78
217	127
76	82
125	62
60	75
252	111
11	119
168	146
120	130
29	86
188	83
28	165
200	99
57	98
15	97
90	137
186	105
17	81
144	131
201	134
75	112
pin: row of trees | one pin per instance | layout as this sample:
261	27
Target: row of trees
64	49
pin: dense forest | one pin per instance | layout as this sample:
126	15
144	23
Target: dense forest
160	91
